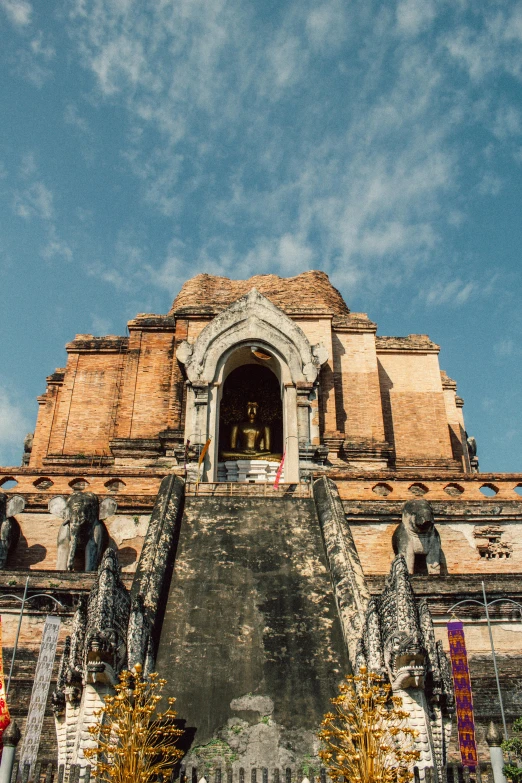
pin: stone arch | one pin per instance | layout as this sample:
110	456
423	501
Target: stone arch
251	321
252	317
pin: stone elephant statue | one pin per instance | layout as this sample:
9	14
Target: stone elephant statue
9	527
417	535
82	528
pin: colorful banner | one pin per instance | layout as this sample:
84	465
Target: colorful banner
5	718
463	695
279	471
42	680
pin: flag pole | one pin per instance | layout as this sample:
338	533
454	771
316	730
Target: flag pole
13	656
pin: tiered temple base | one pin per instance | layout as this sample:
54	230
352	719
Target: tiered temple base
254	471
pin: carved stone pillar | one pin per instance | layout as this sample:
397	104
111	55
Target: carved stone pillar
494	740
303	412
200	400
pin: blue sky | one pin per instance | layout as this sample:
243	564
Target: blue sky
144	142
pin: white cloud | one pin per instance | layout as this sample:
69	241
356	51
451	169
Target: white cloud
507	122
326	24
490	184
413	16
56	247
28	167
100	325
73	117
18	11
506	347
209	93
36	200
41	49
454	292
121	61
286	62
14	423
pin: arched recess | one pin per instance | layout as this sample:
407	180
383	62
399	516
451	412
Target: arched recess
252	381
253	321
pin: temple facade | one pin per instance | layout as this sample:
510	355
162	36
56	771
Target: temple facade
244	494
334	392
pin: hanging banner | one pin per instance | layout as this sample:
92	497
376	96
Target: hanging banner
463	695
5	718
279	471
42	680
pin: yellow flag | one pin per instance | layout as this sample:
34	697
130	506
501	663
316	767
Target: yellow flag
204	451
202	457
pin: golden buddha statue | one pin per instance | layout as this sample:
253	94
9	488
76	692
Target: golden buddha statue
249	439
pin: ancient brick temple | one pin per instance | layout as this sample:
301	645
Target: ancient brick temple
146	505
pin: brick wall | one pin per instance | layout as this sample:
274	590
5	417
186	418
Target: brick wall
362	407
413	406
47	405
459	546
83	414
134	388
37	547
152	389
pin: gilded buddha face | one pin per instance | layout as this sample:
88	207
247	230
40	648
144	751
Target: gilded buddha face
252	411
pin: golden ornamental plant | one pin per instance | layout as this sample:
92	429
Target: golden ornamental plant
134	743
367	739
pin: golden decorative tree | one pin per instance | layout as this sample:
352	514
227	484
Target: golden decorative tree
367	738
134	742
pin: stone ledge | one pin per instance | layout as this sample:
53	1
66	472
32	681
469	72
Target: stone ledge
153	322
87	343
65	586
413	342
444	591
136	447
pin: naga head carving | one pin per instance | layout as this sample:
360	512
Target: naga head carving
100	658
405	661
393	642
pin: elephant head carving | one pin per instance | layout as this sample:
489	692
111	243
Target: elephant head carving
9	527
82	529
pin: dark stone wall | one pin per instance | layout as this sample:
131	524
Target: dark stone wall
251	643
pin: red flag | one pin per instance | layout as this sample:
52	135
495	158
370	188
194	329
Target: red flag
279	471
5	718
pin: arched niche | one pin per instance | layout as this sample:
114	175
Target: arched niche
226	343
242	356
251	382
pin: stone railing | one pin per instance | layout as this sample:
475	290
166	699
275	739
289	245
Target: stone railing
50	773
261	489
473	487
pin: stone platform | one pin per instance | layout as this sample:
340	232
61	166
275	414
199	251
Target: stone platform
258	471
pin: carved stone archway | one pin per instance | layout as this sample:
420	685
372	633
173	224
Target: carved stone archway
252	321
